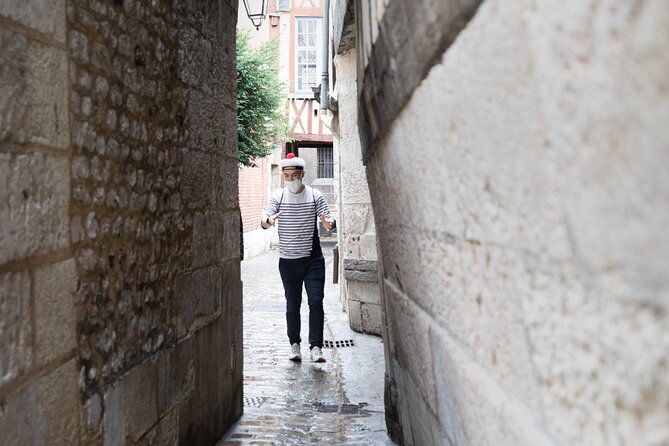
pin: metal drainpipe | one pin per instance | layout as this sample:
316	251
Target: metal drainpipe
325	99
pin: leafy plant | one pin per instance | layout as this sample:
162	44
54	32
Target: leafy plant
261	119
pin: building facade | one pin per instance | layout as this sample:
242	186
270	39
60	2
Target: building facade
120	293
513	152
357	241
298	26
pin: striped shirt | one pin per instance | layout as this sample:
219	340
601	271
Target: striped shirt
297	224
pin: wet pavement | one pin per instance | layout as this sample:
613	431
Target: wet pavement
339	402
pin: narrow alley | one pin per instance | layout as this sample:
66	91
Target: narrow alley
492	173
339	402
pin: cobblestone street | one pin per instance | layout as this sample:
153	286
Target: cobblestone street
338	402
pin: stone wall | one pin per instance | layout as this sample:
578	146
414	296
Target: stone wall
521	207
119	259
356	230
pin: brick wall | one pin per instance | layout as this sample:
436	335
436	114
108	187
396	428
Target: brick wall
254	192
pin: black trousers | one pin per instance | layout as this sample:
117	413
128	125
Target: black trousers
309	271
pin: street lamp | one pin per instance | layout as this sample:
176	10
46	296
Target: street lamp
256	10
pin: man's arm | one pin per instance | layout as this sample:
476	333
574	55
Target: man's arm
270	214
323	211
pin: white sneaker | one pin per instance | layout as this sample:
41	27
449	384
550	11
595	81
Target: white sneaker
295	354
317	355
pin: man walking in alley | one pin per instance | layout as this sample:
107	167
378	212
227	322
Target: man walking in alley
300	256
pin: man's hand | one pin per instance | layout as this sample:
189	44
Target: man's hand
327	224
272	220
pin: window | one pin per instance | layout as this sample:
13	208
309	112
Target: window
283	5
325	163
308	53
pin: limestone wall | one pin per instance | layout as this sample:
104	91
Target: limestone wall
521	206
356	230
119	230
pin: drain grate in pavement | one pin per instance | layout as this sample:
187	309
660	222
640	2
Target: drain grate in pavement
328	408
343	409
254	401
339	344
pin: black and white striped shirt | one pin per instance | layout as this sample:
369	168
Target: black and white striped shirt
298	221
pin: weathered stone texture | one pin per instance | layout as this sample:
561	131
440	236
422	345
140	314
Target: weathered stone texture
149	137
114	416
118	221
16	333
356	226
46	95
198	297
13	49
55	318
140	398
526	270
34	106
46	17
197	187
34	193
45	411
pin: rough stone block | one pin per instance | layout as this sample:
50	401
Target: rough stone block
359	270
358	218
216	402
226	187
45	17
231	312
45	411
176	377
15	326
58	395
196	184
13	54
198	298
208	239
47	113
365	292
21	421
420	423
371	319
34	205
92	412
360	264
207	126
140	398
195	57
114	416
354	188
230	235
358	246
472	405
409	328
55	318
446	372
355	315
167	430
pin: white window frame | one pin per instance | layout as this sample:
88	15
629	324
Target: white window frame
317	48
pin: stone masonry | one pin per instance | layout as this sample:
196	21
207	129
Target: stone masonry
357	232
120	296
515	153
